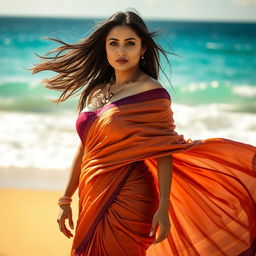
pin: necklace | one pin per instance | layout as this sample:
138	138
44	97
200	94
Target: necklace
110	94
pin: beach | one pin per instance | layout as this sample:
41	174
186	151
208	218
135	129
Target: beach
30	188
213	96
29	223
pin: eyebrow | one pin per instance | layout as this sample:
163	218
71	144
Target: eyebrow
130	38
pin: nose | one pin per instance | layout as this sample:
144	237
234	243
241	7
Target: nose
121	51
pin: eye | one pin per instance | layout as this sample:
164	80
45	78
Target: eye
132	43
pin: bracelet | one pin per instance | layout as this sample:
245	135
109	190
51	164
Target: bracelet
64	200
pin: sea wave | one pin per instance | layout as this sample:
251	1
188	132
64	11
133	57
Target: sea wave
230	49
31	96
37	140
237	97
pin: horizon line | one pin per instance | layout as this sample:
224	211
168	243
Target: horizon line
144	17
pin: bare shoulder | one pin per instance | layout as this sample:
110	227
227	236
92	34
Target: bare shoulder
150	84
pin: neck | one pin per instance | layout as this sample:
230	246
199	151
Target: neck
124	76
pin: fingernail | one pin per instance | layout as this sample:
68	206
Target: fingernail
151	233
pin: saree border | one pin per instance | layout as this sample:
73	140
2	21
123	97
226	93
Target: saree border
91	116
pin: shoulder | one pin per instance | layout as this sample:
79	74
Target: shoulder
151	83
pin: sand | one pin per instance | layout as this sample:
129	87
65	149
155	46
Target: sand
29	223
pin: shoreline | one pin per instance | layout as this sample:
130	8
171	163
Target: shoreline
33	178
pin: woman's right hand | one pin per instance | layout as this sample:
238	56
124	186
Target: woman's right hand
65	212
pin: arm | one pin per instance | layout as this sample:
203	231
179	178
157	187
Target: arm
65	211
75	171
164	173
161	217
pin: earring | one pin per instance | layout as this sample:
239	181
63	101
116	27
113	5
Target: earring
143	60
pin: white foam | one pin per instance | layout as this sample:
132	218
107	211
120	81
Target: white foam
49	141
31	81
245	91
209	121
215	46
37	140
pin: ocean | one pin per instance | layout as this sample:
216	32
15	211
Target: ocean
212	75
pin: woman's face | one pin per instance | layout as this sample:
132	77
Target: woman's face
122	41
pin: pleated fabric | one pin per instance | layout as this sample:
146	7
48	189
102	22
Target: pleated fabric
125	223
213	191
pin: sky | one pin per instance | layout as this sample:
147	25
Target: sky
212	10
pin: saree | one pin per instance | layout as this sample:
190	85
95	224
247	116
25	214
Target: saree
213	187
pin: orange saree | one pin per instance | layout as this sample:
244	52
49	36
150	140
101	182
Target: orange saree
213	191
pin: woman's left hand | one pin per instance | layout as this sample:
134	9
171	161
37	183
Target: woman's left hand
161	218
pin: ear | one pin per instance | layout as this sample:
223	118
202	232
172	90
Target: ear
143	50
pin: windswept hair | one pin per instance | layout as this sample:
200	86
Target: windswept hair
84	65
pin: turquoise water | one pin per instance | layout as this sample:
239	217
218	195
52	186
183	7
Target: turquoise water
214	80
216	62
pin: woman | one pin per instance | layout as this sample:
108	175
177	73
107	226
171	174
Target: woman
143	189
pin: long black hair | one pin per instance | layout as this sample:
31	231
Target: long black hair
84	65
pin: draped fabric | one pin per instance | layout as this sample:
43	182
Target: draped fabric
213	189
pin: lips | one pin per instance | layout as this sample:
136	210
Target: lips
121	60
